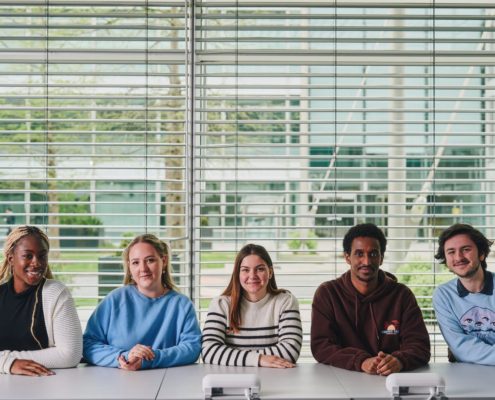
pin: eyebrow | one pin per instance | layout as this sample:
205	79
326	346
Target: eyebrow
29	251
137	258
467	246
256	266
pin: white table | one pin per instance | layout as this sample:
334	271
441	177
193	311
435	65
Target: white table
306	381
463	381
84	383
317	381
359	385
466	381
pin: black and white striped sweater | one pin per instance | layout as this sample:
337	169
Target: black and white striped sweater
270	326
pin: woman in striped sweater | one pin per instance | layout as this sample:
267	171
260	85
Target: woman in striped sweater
253	323
39	326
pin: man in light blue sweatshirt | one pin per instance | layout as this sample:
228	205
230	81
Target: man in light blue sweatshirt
465	306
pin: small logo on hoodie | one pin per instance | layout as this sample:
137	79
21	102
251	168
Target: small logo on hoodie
391	327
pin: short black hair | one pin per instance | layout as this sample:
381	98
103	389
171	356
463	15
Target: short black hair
482	243
364	230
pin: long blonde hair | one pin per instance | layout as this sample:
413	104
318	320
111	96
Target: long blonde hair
161	248
18	233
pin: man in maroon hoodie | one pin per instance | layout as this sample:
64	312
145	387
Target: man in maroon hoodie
365	320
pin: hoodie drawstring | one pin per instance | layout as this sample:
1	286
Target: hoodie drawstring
374	322
356	312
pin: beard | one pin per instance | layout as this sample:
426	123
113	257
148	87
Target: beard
470	273
368	277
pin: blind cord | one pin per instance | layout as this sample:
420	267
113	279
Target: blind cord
146	105
236	167
47	118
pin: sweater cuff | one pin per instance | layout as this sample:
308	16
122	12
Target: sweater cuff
359	361
6	361
125	354
252	359
145	364
403	362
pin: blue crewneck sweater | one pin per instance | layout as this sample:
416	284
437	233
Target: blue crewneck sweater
126	317
467	320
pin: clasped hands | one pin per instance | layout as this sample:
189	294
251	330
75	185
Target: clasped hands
135	357
383	364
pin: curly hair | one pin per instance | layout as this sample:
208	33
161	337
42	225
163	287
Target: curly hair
481	242
364	230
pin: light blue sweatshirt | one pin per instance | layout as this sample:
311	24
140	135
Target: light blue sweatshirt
126	317
467	320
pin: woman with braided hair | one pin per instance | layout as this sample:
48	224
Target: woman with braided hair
39	327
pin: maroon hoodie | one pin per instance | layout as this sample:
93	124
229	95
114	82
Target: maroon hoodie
348	328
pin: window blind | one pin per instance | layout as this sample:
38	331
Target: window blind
315	116
217	123
93	132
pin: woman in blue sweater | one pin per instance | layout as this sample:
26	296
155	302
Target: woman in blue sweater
147	323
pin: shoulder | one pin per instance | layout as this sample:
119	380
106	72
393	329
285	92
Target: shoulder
327	289
446	289
286	299
328	284
57	301
220	304
120	293
54	289
401	287
220	301
179	299
399	292
117	298
53	285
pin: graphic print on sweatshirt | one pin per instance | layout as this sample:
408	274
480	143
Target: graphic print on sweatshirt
391	327
480	322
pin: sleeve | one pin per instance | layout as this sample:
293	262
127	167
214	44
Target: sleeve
465	347
289	331
67	338
5	361
214	350
325	338
187	349
414	348
96	349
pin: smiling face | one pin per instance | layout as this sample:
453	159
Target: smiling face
146	268
364	259
29	262
462	256
254	276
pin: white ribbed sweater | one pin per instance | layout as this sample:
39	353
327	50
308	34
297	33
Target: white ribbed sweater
270	326
63	329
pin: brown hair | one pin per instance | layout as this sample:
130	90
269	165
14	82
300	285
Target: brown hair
234	289
481	242
161	248
11	241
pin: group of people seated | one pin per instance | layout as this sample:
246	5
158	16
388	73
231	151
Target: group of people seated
365	320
